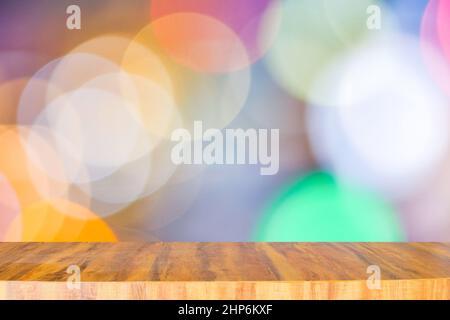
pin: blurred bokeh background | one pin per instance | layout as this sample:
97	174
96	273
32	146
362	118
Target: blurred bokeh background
359	90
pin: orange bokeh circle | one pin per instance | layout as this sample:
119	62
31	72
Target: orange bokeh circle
50	221
200	42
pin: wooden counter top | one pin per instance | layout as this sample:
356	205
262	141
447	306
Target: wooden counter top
225	270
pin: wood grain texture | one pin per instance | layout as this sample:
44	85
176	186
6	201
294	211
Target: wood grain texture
225	270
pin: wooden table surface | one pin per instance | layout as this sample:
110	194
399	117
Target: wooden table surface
225	270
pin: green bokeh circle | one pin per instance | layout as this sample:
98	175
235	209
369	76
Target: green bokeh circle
319	209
